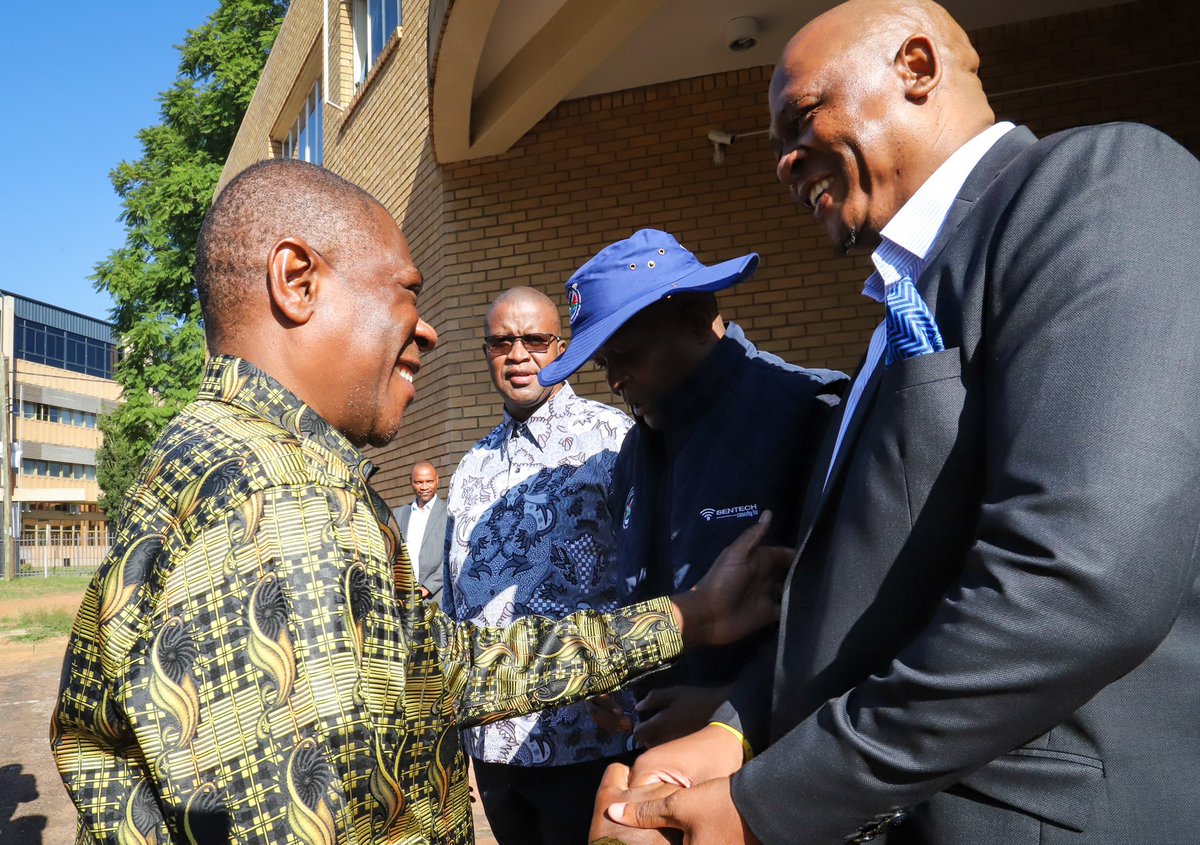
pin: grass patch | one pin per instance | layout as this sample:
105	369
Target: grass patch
55	585
38	624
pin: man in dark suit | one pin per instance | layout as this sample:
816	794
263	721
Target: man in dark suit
426	547
991	632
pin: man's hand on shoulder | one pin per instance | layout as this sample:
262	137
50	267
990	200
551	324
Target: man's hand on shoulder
739	594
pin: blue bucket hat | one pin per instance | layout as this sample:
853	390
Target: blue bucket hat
625	277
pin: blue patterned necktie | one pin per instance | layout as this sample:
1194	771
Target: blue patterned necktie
911	330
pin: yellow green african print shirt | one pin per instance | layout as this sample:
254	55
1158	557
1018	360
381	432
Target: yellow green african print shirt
253	664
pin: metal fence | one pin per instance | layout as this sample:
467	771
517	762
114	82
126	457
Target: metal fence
43	557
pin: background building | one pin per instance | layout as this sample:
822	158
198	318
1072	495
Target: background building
513	138
59	381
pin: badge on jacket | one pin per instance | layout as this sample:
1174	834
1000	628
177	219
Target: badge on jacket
735	512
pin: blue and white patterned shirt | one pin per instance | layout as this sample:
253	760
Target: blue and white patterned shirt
531	535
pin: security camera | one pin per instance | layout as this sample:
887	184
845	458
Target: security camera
720	140
741	34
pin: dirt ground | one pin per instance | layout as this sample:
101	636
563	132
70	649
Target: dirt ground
15	607
34	808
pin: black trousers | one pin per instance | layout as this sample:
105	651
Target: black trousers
541	805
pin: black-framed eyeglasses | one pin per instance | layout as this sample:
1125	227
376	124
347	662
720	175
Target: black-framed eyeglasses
502	344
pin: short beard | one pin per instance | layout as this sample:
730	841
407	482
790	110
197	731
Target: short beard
849	242
365	410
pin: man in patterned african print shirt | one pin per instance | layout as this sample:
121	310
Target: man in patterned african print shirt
252	663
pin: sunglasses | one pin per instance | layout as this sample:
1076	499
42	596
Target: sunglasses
502	344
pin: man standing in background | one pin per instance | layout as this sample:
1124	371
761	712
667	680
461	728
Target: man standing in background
530	535
423	526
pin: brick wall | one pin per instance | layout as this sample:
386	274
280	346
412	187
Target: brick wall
598	168
377	135
382	142
280	82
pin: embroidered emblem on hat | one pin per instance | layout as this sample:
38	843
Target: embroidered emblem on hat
574	300
628	509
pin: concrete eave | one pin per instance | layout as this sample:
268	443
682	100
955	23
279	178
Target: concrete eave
576	40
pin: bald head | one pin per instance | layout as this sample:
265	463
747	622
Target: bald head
885	24
530	315
424	481
308	278
530	299
263	204
863	35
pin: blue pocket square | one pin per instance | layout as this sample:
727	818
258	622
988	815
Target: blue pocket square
910	327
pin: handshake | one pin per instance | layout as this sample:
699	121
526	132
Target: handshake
678	792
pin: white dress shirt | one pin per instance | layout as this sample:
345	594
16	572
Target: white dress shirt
418	519
905	242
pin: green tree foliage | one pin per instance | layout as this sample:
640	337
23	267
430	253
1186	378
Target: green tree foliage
164	196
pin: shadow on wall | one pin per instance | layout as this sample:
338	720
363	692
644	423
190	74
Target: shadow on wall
18	788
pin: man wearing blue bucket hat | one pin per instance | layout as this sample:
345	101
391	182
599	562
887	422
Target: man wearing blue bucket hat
723	432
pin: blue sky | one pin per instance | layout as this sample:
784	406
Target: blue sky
81	78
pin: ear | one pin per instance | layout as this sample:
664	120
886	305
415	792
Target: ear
700	314
293	278
919	66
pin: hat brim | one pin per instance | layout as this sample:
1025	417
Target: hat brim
584	344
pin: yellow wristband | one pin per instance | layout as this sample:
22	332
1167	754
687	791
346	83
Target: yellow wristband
747	751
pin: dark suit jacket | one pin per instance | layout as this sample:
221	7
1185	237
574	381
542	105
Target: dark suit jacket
429	559
994	617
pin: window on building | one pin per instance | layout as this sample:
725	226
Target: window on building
55	347
305	140
64	416
58	469
374	23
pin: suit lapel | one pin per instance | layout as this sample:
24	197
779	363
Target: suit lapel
432	544
862	410
815	494
983	174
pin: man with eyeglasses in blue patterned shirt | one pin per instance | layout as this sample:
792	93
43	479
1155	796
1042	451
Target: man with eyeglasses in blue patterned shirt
531	535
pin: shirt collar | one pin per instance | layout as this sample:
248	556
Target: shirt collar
540	424
237	382
907	237
428	505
